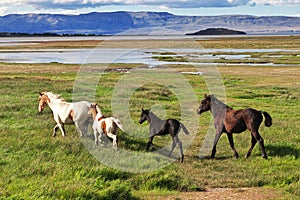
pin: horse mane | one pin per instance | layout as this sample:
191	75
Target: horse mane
98	110
54	96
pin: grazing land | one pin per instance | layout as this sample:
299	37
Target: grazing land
35	165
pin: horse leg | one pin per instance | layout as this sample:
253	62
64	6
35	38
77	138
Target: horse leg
180	148
261	143
214	150
86	127
95	135
100	137
62	129
150	143
173	145
114	137
230	139
253	143
79	128
54	130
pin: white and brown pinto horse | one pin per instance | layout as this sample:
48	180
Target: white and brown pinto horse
104	125
65	112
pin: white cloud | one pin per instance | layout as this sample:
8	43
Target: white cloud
9	6
238	2
163	7
3	10
96	3
71	4
275	2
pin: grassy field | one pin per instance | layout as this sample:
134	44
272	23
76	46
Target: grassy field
34	165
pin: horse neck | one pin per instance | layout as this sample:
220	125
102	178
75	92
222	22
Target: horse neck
218	107
100	115
154	118
54	103
98	109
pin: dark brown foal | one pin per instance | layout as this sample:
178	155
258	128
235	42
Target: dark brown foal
229	121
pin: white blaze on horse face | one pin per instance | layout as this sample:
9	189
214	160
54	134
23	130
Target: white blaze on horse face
41	104
40	108
90	112
43	101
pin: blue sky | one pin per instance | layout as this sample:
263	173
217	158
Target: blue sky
178	7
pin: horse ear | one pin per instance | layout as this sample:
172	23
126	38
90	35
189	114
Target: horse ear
40	93
205	96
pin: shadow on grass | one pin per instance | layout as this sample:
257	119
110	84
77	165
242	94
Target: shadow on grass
216	158
282	150
131	143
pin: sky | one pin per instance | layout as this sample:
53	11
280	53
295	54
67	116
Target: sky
177	7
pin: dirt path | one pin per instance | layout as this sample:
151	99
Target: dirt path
230	194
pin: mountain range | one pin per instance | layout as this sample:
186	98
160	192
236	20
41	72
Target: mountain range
144	23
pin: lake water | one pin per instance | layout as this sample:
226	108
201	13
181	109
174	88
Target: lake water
110	55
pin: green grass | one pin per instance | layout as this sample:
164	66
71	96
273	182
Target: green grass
36	165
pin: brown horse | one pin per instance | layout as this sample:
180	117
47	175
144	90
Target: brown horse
227	120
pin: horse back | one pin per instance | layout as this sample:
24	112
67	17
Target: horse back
237	121
171	126
81	110
110	125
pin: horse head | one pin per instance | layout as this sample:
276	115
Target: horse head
144	116
43	101
92	109
95	110
205	104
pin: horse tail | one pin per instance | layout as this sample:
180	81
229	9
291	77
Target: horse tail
184	128
268	118
119	124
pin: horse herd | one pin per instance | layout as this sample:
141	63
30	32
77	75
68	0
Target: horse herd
226	120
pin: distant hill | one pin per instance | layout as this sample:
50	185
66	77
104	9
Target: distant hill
218	31
155	23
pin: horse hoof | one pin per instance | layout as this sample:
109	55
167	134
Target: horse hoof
181	159
150	149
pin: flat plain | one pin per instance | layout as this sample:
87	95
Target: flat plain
34	165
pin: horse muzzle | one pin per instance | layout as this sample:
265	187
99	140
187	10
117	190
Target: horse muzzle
199	111
41	108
